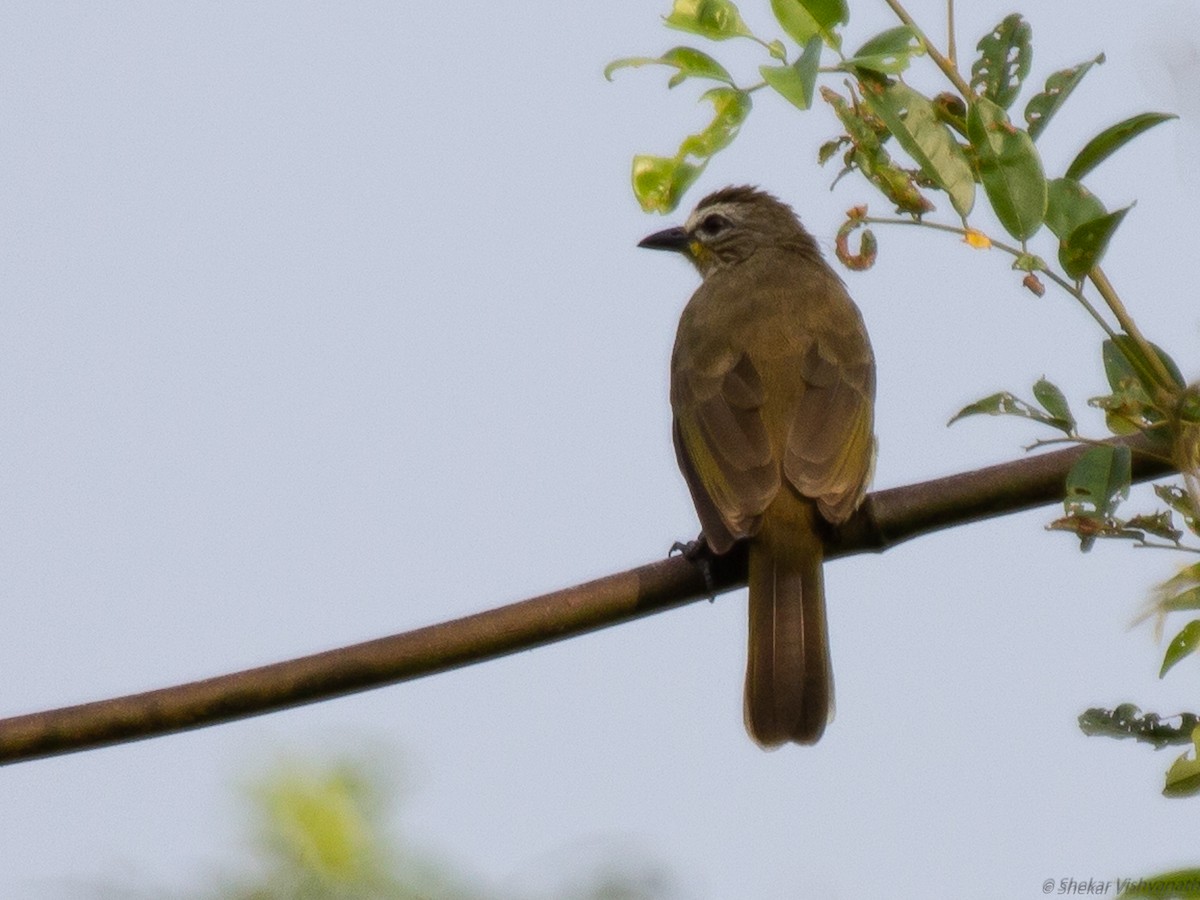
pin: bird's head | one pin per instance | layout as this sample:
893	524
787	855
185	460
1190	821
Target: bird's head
728	226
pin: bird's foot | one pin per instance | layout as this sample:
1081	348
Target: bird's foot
697	553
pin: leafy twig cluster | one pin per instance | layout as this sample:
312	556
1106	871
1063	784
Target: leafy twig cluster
964	143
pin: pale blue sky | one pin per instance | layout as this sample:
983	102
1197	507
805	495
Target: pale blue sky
326	321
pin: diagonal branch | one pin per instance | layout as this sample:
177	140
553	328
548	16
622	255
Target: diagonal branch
887	518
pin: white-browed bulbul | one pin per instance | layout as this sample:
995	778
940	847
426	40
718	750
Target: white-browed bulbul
773	391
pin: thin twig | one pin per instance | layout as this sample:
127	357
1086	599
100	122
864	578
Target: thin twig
951	41
1012	251
947	67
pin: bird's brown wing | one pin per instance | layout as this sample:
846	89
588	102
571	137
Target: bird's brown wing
831	445
723	447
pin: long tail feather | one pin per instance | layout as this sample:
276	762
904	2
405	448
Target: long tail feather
789	680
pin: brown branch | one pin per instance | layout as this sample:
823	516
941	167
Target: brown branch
886	518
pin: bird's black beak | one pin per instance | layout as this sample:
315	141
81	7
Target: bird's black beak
669	239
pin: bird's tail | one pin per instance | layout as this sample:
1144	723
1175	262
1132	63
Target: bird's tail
789	680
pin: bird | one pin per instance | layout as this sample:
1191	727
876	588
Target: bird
772	397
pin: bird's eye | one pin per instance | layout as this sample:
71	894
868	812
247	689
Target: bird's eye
712	225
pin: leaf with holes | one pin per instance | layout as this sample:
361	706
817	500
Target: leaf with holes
1184	504
1098	482
1008	404
1042	107
1005	55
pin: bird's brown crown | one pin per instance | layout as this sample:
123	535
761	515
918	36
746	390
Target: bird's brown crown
729	225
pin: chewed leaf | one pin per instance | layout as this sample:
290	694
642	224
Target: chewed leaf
1007	404
1005	55
1043	106
1184	504
1099	480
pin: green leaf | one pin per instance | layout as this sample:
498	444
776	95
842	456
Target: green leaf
1042	107
1183	644
1098	481
690	63
1007	404
659	182
1069	204
911	118
1130	409
888	52
1117	368
731	107
1112	139
718	20
1009	167
805	19
1005	56
1120	372
1055	403
797	81
1183	780
1084	247
1003	403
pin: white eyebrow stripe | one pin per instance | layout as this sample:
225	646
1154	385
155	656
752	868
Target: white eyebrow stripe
725	209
